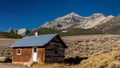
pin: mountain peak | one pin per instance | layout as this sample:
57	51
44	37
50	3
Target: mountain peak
69	17
97	15
73	14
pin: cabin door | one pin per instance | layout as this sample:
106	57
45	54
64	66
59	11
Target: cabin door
34	55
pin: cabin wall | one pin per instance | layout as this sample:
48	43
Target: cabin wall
25	56
54	52
40	54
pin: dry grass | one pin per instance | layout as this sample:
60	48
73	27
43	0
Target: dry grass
99	60
9	65
51	66
86	45
103	51
114	64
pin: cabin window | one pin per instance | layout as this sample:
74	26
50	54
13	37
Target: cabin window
18	51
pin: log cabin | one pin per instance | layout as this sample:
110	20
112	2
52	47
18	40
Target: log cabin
40	48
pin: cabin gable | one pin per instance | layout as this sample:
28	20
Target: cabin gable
54	51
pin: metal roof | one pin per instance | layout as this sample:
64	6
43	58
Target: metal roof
31	41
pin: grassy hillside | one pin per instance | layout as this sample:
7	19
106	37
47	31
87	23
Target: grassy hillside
86	45
103	51
69	32
9	35
111	27
79	31
5	50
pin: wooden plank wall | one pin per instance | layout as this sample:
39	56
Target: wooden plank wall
24	57
50	55
40	54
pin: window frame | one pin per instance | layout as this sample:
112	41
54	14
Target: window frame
18	51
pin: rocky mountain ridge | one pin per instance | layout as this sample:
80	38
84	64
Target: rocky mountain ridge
112	26
74	24
73	19
22	31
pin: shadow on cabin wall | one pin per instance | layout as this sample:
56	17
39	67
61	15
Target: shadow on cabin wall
75	60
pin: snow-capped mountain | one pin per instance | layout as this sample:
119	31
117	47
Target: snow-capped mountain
76	21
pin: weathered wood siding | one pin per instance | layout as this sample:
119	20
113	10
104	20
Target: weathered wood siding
40	54
26	55
54	52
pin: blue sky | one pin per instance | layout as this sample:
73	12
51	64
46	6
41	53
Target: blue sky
33	13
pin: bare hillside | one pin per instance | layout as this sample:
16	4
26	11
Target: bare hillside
103	51
86	45
5	42
4	46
